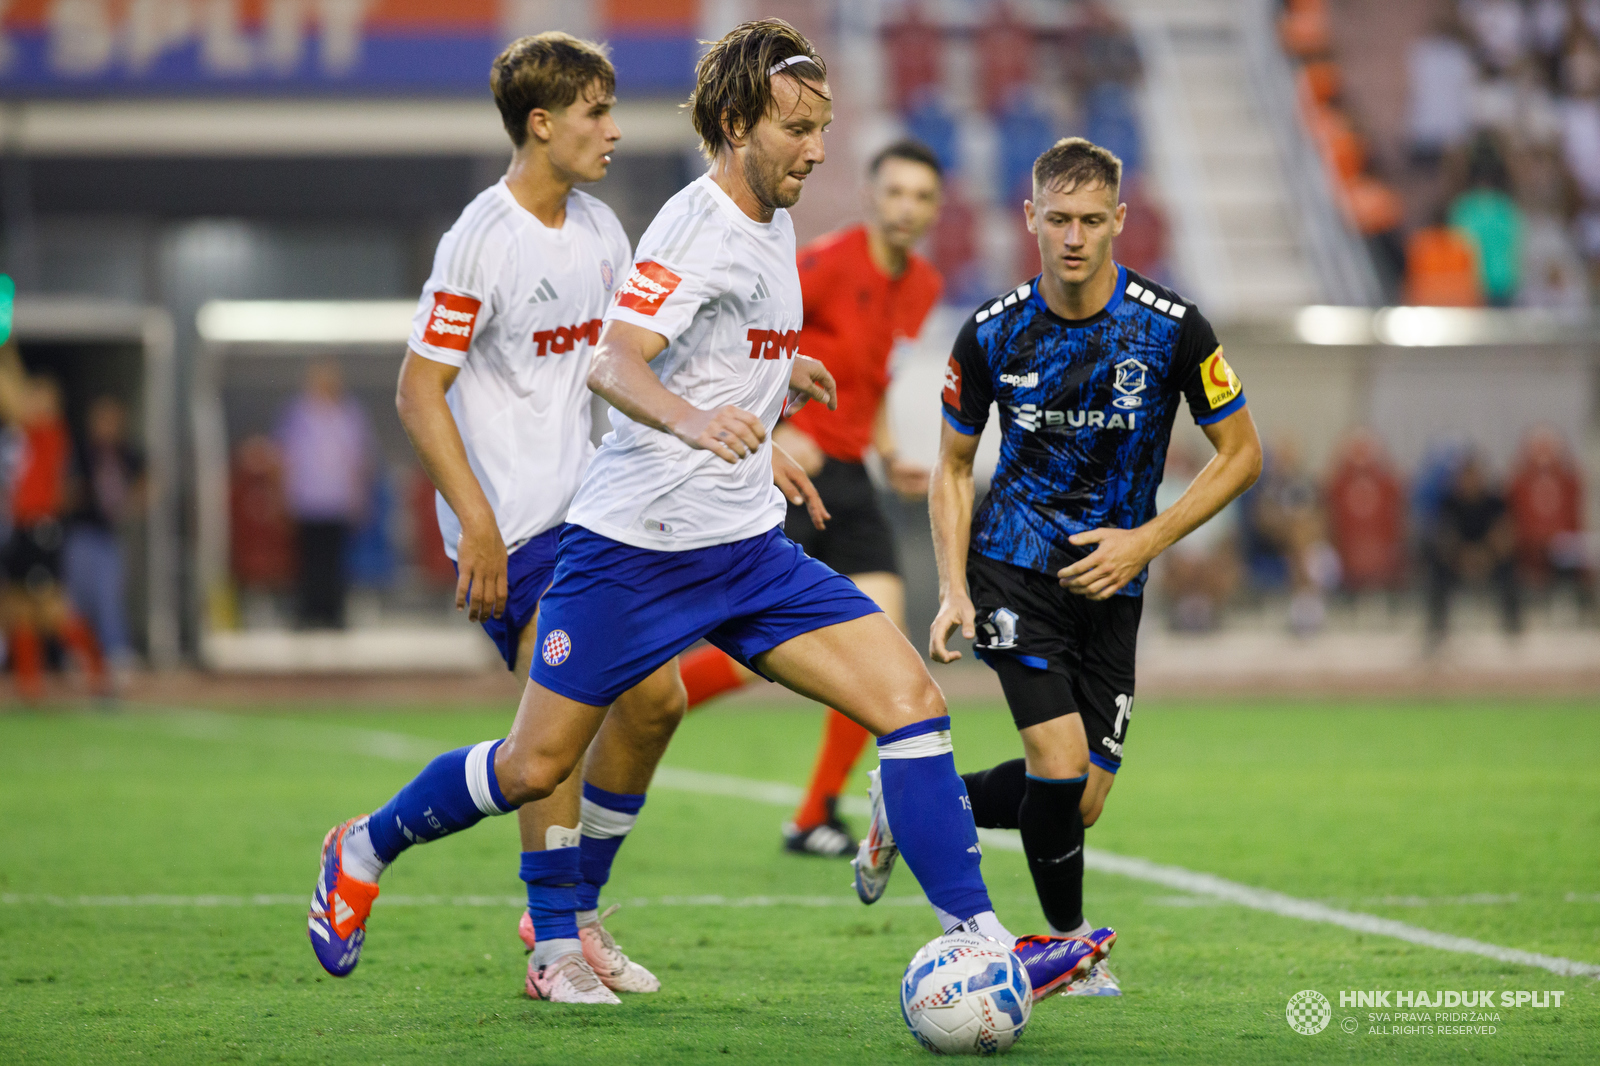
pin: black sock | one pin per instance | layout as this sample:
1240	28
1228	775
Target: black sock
1052	837
997	794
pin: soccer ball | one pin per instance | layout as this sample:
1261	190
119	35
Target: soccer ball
965	995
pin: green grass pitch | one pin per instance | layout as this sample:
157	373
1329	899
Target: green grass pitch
1479	819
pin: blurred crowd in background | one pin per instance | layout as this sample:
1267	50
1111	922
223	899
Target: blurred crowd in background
1481	185
1076	72
1460	137
69	488
1363	528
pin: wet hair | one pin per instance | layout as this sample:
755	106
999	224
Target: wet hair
912	151
546	71
1073	162
733	80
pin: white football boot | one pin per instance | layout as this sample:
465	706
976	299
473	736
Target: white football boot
874	860
615	970
569	979
1099	981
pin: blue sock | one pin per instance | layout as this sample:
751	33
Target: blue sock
455	791
552	878
607	819
931	816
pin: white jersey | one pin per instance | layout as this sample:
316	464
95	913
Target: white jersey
724	291
517	306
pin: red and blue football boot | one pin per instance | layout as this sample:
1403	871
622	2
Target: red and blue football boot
339	908
1053	962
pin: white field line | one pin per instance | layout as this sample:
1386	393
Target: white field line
399	747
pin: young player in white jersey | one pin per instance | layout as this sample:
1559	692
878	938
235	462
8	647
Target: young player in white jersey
493	396
675	533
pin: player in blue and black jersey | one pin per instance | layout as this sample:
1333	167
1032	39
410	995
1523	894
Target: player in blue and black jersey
1088	364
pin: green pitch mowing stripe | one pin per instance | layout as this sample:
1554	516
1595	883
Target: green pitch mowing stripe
409	749
1403	811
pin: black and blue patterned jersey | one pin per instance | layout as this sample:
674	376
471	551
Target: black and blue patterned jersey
1086	411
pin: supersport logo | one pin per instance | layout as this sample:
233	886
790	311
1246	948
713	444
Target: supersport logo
647	288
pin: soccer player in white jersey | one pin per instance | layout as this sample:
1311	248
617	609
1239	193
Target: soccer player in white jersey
493	396
676	532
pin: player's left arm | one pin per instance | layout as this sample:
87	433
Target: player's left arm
1120	555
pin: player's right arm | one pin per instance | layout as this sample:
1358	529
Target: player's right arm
621	375
428	421
968	392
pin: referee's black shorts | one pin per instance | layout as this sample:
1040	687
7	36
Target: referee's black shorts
1028	617
858	539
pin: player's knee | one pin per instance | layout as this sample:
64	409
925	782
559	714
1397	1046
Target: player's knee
527	777
658	718
927	701
654	711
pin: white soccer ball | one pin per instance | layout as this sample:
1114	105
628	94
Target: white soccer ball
965	995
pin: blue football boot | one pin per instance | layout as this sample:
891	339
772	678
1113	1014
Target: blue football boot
339	908
1053	962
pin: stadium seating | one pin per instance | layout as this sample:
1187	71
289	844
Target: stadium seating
1442	269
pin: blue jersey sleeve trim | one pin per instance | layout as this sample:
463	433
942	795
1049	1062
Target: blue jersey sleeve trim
1104	763
1222	412
958	426
1122	287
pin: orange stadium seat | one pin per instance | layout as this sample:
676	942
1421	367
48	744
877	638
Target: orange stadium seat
1373	206
1343	149
1442	269
1304	28
1320	81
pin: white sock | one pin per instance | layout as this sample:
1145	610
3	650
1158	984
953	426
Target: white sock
357	856
548	951
985	924
587	917
1083	930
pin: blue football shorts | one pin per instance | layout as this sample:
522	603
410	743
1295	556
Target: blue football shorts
528	573
615	613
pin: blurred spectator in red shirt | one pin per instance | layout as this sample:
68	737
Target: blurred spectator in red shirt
1546	498
1366	504
261	535
34	605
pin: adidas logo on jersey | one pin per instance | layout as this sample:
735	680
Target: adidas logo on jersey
544	293
762	292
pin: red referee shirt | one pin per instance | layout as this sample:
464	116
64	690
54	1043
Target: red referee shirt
854	313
